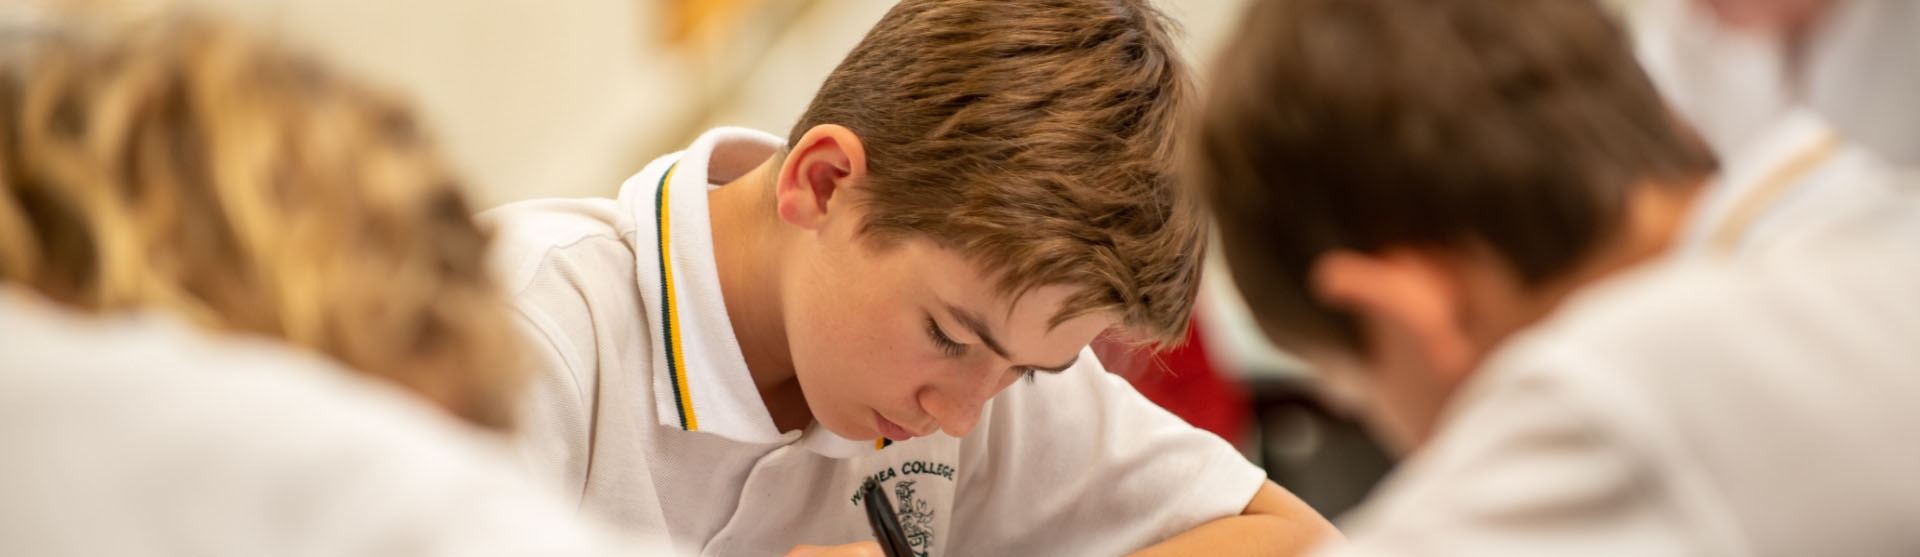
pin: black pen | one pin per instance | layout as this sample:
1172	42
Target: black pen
886	525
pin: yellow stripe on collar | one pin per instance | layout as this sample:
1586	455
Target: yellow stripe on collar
1768	191
670	312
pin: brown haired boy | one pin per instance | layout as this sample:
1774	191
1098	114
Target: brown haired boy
757	329
1452	205
1400	186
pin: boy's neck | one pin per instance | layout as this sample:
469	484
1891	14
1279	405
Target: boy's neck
746	252
1652	221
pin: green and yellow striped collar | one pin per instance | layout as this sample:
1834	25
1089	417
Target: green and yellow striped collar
701	382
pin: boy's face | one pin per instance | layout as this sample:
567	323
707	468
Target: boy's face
904	341
1428	318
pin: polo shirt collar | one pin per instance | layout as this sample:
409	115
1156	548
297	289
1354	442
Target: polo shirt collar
701	381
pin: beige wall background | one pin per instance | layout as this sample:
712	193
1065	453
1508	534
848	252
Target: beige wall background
566	98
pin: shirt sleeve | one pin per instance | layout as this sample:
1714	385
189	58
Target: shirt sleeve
554	428
1522	470
1079	463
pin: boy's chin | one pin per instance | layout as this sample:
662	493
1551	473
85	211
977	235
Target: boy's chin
841	429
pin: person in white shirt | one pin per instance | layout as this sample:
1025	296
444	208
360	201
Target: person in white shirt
758	328
181	164
1698	406
1492	276
137	435
244	311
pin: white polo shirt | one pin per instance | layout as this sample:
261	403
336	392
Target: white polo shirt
646	409
1792	180
1753	406
138	435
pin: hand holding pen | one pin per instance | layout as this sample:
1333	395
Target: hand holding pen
886	529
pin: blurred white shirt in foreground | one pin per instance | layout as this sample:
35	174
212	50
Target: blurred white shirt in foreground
1757	406
139	436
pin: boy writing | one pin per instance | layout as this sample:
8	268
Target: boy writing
757	329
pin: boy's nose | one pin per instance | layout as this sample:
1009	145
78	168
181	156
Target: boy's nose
960	422
960	402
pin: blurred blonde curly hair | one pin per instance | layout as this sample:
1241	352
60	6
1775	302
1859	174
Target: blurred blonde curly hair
184	166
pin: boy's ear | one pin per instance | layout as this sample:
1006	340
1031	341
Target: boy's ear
1405	295
826	162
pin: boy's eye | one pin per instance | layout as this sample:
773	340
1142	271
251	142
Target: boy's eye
946	344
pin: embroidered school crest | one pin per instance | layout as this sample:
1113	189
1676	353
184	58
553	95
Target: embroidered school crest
919	489
916	518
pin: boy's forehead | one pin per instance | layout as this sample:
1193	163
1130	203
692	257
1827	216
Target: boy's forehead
962	281
972	286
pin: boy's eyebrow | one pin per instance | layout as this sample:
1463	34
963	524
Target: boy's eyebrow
979	327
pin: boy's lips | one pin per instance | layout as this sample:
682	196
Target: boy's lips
891	430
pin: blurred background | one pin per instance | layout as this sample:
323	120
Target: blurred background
562	99
566	99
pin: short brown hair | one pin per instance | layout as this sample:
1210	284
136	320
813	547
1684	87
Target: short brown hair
184	167
1037	139
1369	124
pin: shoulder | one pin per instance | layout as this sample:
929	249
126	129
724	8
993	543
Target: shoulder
218	412
238	423
529	236
1841	300
1683	389
566	264
1727	358
159	365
